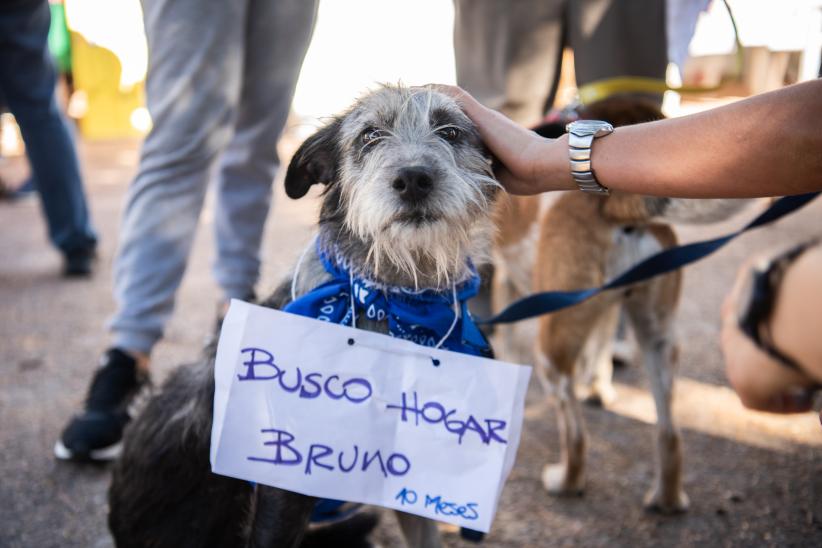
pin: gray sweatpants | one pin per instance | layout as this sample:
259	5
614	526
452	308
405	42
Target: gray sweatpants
220	82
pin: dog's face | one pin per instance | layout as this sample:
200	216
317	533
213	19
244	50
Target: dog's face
408	178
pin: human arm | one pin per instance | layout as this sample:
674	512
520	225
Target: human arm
766	145
760	381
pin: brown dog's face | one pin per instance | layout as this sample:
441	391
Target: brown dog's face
407	176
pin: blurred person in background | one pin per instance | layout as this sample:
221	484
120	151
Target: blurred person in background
221	77
509	54
27	86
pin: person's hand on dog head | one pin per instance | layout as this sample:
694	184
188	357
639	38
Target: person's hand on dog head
524	164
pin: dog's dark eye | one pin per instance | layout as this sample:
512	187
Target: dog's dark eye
449	133
371	134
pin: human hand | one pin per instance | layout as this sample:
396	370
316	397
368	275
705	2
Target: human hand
761	382
527	163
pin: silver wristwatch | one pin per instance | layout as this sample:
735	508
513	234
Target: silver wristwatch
581	135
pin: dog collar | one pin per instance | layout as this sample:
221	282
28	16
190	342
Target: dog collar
426	317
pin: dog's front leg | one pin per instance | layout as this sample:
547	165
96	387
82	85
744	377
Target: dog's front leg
419	532
280	518
652	323
557	362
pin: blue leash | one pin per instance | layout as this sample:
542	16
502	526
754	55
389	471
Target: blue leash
661	263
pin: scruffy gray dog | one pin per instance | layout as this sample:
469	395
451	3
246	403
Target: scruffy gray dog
407	203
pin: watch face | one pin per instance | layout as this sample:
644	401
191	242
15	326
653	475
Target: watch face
597	128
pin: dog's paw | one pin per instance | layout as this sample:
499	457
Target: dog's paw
668	503
557	481
598	395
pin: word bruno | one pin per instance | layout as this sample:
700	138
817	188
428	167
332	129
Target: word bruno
322	456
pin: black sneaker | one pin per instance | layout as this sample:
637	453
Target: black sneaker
96	433
79	263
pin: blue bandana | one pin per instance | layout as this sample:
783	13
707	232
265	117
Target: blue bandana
423	317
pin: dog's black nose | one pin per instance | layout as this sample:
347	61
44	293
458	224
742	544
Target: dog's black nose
414	183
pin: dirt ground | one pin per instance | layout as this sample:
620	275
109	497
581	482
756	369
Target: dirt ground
753	479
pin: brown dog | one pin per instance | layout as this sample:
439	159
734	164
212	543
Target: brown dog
573	240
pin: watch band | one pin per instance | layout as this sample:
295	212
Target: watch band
581	135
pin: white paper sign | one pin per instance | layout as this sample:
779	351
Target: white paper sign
339	413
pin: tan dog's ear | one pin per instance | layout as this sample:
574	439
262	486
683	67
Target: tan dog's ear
316	161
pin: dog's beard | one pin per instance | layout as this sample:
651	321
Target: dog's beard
431	250
429	246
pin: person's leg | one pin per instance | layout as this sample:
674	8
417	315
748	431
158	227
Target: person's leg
27	81
612	38
508	53
195	63
192	89
277	37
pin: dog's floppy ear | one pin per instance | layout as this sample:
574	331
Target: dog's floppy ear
316	161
